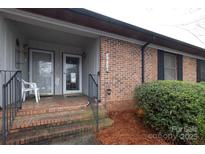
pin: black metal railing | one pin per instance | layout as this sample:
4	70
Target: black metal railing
11	99
93	96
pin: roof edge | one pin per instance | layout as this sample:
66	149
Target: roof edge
101	22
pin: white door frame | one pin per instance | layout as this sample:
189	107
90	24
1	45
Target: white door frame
64	74
31	51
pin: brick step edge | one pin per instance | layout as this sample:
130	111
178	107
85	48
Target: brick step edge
71	112
58	119
38	111
53	109
45	110
51	125
80	139
45	123
38	138
103	123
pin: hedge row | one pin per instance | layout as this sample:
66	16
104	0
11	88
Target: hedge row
175	109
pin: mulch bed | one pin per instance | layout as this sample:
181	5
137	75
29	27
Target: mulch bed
128	129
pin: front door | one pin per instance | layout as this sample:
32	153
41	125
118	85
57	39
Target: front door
72	74
41	70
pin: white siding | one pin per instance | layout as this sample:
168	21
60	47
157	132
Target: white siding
90	62
2	34
2	41
8	36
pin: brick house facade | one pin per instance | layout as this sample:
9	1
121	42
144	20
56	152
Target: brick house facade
125	69
94	37
83	58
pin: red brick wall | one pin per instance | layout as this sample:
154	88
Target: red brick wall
150	64
124	69
189	69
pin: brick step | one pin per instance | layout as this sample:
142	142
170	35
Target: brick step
63	113
50	125
50	120
25	111
46	135
85	138
50	109
45	110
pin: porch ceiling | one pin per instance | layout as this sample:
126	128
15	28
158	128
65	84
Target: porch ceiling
33	32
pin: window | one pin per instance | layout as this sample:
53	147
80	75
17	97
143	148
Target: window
170	66
201	70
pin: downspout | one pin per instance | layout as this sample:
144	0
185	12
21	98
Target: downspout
142	59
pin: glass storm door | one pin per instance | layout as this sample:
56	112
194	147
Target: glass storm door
72	74
41	70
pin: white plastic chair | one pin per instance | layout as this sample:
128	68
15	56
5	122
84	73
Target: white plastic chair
31	87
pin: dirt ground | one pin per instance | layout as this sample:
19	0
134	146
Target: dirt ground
128	129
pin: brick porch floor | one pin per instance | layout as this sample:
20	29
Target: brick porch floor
57	101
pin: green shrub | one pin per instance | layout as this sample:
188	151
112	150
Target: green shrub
175	109
202	83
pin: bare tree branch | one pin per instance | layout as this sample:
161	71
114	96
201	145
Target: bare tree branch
192	34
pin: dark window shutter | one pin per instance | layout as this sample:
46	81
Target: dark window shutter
179	67
198	70
160	65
